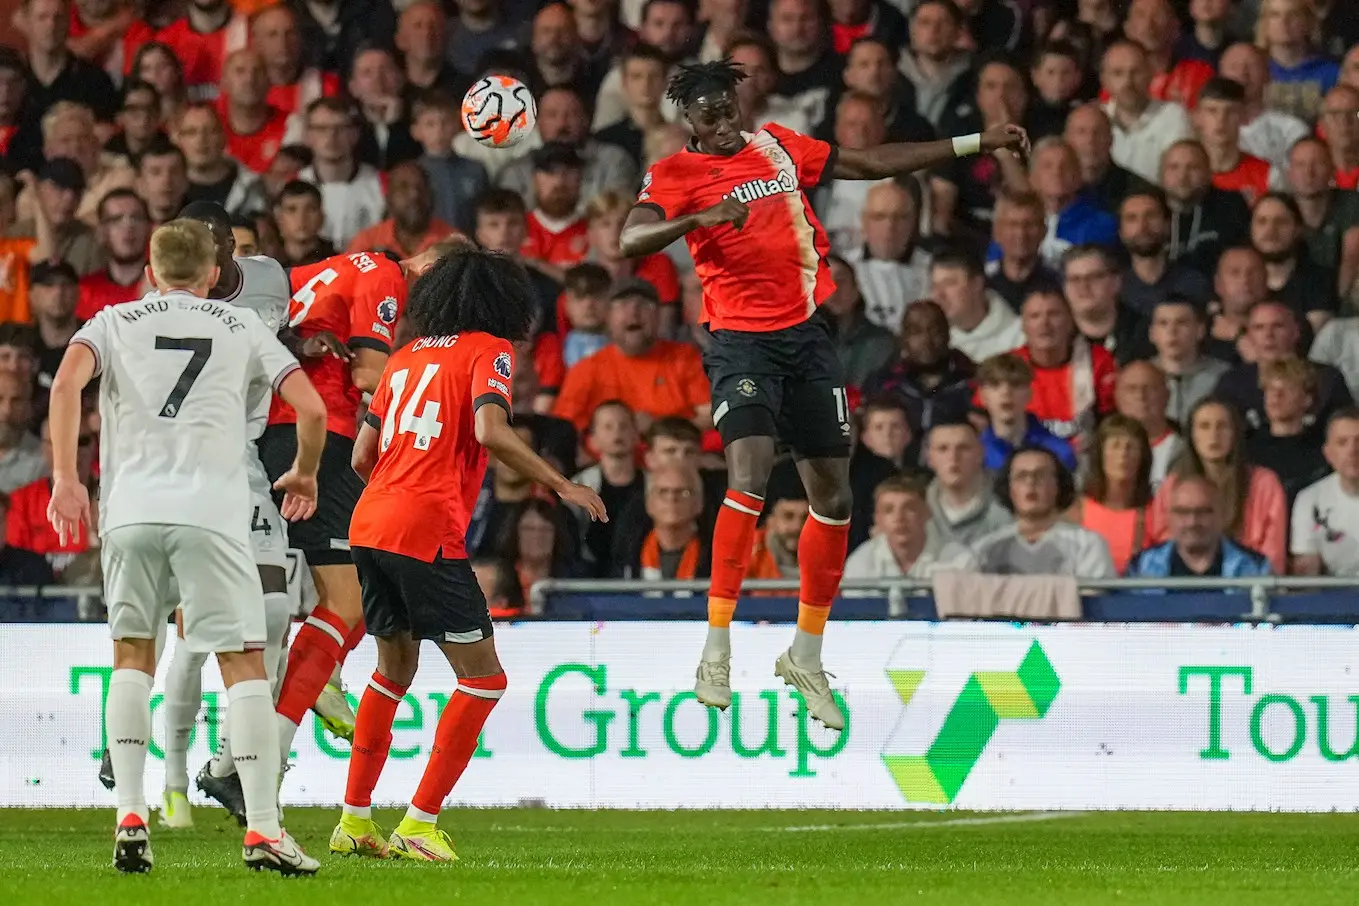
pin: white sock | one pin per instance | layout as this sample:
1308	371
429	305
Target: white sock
127	722
183	698
806	650
335	676
277	622
255	753
222	765
414	814
718	645
359	811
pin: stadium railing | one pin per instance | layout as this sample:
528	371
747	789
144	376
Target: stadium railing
1278	599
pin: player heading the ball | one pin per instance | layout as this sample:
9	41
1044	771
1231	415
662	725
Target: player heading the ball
739	200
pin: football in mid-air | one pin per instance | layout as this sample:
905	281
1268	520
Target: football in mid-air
499	112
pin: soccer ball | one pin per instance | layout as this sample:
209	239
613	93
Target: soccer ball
499	111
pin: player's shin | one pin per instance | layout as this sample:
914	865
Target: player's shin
454	742
183	698
372	741
733	541
277	622
127	723
314	654
821	553
254	747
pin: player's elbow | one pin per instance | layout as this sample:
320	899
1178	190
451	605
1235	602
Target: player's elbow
629	243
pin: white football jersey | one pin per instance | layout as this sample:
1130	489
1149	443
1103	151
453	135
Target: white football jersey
175	373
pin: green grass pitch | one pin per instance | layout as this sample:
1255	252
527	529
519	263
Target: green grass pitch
528	856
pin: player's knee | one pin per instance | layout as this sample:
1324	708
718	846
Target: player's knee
398	659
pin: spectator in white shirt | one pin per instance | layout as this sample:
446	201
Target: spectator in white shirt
901	547
1266	133
351	192
1325	536
1143	128
858	125
1038	489
981	323
891	267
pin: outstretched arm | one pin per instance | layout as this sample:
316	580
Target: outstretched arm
898	158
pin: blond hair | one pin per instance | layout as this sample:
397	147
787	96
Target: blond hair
1307	6
609	201
182	254
63	110
1293	371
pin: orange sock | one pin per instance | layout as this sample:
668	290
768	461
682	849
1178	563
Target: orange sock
454	742
821	550
311	660
733	541
372	741
352	639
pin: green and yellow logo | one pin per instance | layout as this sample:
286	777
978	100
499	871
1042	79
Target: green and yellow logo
987	699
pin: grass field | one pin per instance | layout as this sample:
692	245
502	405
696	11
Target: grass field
698	858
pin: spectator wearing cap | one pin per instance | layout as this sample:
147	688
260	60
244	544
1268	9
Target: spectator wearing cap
20	140
255	129
351	192
213	175
58	74
556	238
59	234
15	253
656	378
299	217
561	118
124	231
1143	127
411	226
55	293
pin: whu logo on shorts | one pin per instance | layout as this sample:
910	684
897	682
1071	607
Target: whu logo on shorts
755	189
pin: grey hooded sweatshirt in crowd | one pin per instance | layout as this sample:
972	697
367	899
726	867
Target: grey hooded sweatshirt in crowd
1198	381
985	516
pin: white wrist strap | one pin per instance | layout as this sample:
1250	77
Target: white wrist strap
967	145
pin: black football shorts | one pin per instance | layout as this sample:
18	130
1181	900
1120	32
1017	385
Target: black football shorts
441	601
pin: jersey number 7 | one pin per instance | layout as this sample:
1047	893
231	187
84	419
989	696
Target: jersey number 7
200	349
425	426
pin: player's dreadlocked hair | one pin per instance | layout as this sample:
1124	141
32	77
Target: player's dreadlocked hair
472	289
693	80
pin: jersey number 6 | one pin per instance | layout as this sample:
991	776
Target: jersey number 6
425	426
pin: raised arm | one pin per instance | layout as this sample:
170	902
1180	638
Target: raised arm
646	231
898	158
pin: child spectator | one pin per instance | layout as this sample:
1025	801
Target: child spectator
1005	386
456	180
586	308
1117	491
1251	498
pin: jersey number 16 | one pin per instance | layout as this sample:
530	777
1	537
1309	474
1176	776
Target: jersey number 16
425	426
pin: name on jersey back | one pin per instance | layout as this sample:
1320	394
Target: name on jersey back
156	305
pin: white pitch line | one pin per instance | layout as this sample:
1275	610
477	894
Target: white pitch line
947	822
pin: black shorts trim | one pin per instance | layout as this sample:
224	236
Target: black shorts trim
324	538
439	600
794	375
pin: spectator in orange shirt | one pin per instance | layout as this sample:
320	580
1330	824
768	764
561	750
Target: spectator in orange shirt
502	226
1217	119
674	548
775	554
292	84
28	527
557	238
1154	25
203	41
21	567
255	129
657	378
14	257
411	226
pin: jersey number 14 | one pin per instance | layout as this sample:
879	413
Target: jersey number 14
425	426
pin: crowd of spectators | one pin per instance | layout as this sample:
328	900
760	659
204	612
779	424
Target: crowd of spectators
1132	353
